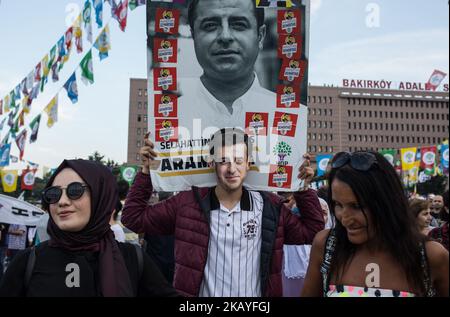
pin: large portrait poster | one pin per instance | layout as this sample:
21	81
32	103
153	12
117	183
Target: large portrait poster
216	64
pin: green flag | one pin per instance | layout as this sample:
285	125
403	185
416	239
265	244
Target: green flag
34	125
87	69
389	155
128	173
12	97
52	57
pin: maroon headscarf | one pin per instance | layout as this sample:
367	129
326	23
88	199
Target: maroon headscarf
97	235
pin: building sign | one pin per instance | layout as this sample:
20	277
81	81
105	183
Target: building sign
390	85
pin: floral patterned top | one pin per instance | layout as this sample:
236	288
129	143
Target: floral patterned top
356	291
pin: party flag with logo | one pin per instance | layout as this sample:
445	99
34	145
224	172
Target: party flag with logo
20	142
444	157
428	159
414	173
34	126
87	69
98	7
52	111
72	88
128	173
103	43
28	179
121	13
87	20
408	156
389	155
9	180
78	33
5	152
322	163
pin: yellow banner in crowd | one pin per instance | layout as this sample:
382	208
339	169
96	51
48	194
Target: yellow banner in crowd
9	180
414	173
408	158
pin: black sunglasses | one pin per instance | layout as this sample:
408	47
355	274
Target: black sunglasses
360	161
74	191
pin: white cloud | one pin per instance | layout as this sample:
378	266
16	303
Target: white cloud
408	56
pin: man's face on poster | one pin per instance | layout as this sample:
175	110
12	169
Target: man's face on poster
226	38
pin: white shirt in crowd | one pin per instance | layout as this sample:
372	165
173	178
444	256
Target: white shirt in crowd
234	252
119	234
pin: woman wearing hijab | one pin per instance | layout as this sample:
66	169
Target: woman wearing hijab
82	258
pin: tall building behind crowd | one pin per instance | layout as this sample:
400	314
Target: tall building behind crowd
341	119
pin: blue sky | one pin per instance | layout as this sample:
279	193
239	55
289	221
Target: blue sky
408	43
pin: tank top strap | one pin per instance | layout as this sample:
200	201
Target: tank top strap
327	258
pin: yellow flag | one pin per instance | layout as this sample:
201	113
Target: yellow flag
52	111
25	106
7	103
414	173
9	180
408	158
45	69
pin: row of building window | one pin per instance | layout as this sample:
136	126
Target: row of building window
397	103
140	105
320	124
320	137
356	148
320	99
398	127
397	115
320	149
142	91
141	131
394	139
140	117
319	112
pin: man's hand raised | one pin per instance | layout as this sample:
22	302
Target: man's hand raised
147	154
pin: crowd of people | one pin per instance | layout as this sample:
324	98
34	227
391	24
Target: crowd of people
362	236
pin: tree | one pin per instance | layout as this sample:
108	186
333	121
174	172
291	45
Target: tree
111	164
97	157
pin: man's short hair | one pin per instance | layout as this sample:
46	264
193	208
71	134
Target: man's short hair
259	13
227	137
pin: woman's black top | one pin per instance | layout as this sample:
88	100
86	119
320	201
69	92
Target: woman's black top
54	274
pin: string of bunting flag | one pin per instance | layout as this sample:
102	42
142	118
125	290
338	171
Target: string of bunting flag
34	83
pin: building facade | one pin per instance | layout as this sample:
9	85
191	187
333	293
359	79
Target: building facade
341	119
347	119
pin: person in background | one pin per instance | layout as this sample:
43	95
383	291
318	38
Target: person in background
119	234
296	257
17	240
420	210
440	234
437	203
375	248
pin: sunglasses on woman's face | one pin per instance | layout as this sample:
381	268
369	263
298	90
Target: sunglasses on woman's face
360	161
74	191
